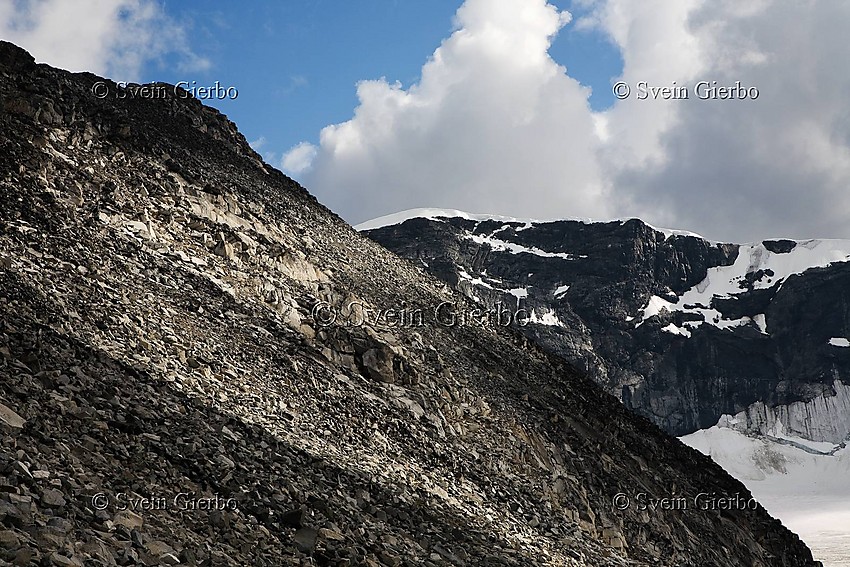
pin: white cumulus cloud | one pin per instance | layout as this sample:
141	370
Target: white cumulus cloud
107	37
747	170
494	124
299	158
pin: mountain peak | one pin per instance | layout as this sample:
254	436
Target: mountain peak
432	213
15	58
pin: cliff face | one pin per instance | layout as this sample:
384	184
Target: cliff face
682	330
182	379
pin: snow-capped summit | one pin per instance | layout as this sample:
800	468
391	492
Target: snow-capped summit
436	214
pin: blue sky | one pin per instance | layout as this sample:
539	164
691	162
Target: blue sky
486	105
296	63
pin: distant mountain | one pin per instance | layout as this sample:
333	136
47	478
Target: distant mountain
681	329
193	372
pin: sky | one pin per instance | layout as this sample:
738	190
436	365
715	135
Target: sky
508	106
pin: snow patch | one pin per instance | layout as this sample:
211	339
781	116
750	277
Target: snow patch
655	306
670	232
549	318
724	281
474	281
504	246
756	264
438	214
561	290
673	329
519	292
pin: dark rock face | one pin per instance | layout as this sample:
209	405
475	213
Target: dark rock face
681	380
192	372
14	58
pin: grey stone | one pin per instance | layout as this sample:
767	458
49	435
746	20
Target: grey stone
53	498
10	418
305	538
9	540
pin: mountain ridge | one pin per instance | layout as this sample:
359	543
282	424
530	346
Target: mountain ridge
159	338
432	213
589	284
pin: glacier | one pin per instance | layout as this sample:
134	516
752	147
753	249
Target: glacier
795	460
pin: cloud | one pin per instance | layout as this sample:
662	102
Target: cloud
112	38
295	82
495	125
299	158
258	144
747	170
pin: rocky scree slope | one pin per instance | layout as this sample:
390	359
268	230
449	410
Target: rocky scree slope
681	329
156	340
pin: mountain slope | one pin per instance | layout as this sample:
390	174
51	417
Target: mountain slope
173	388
